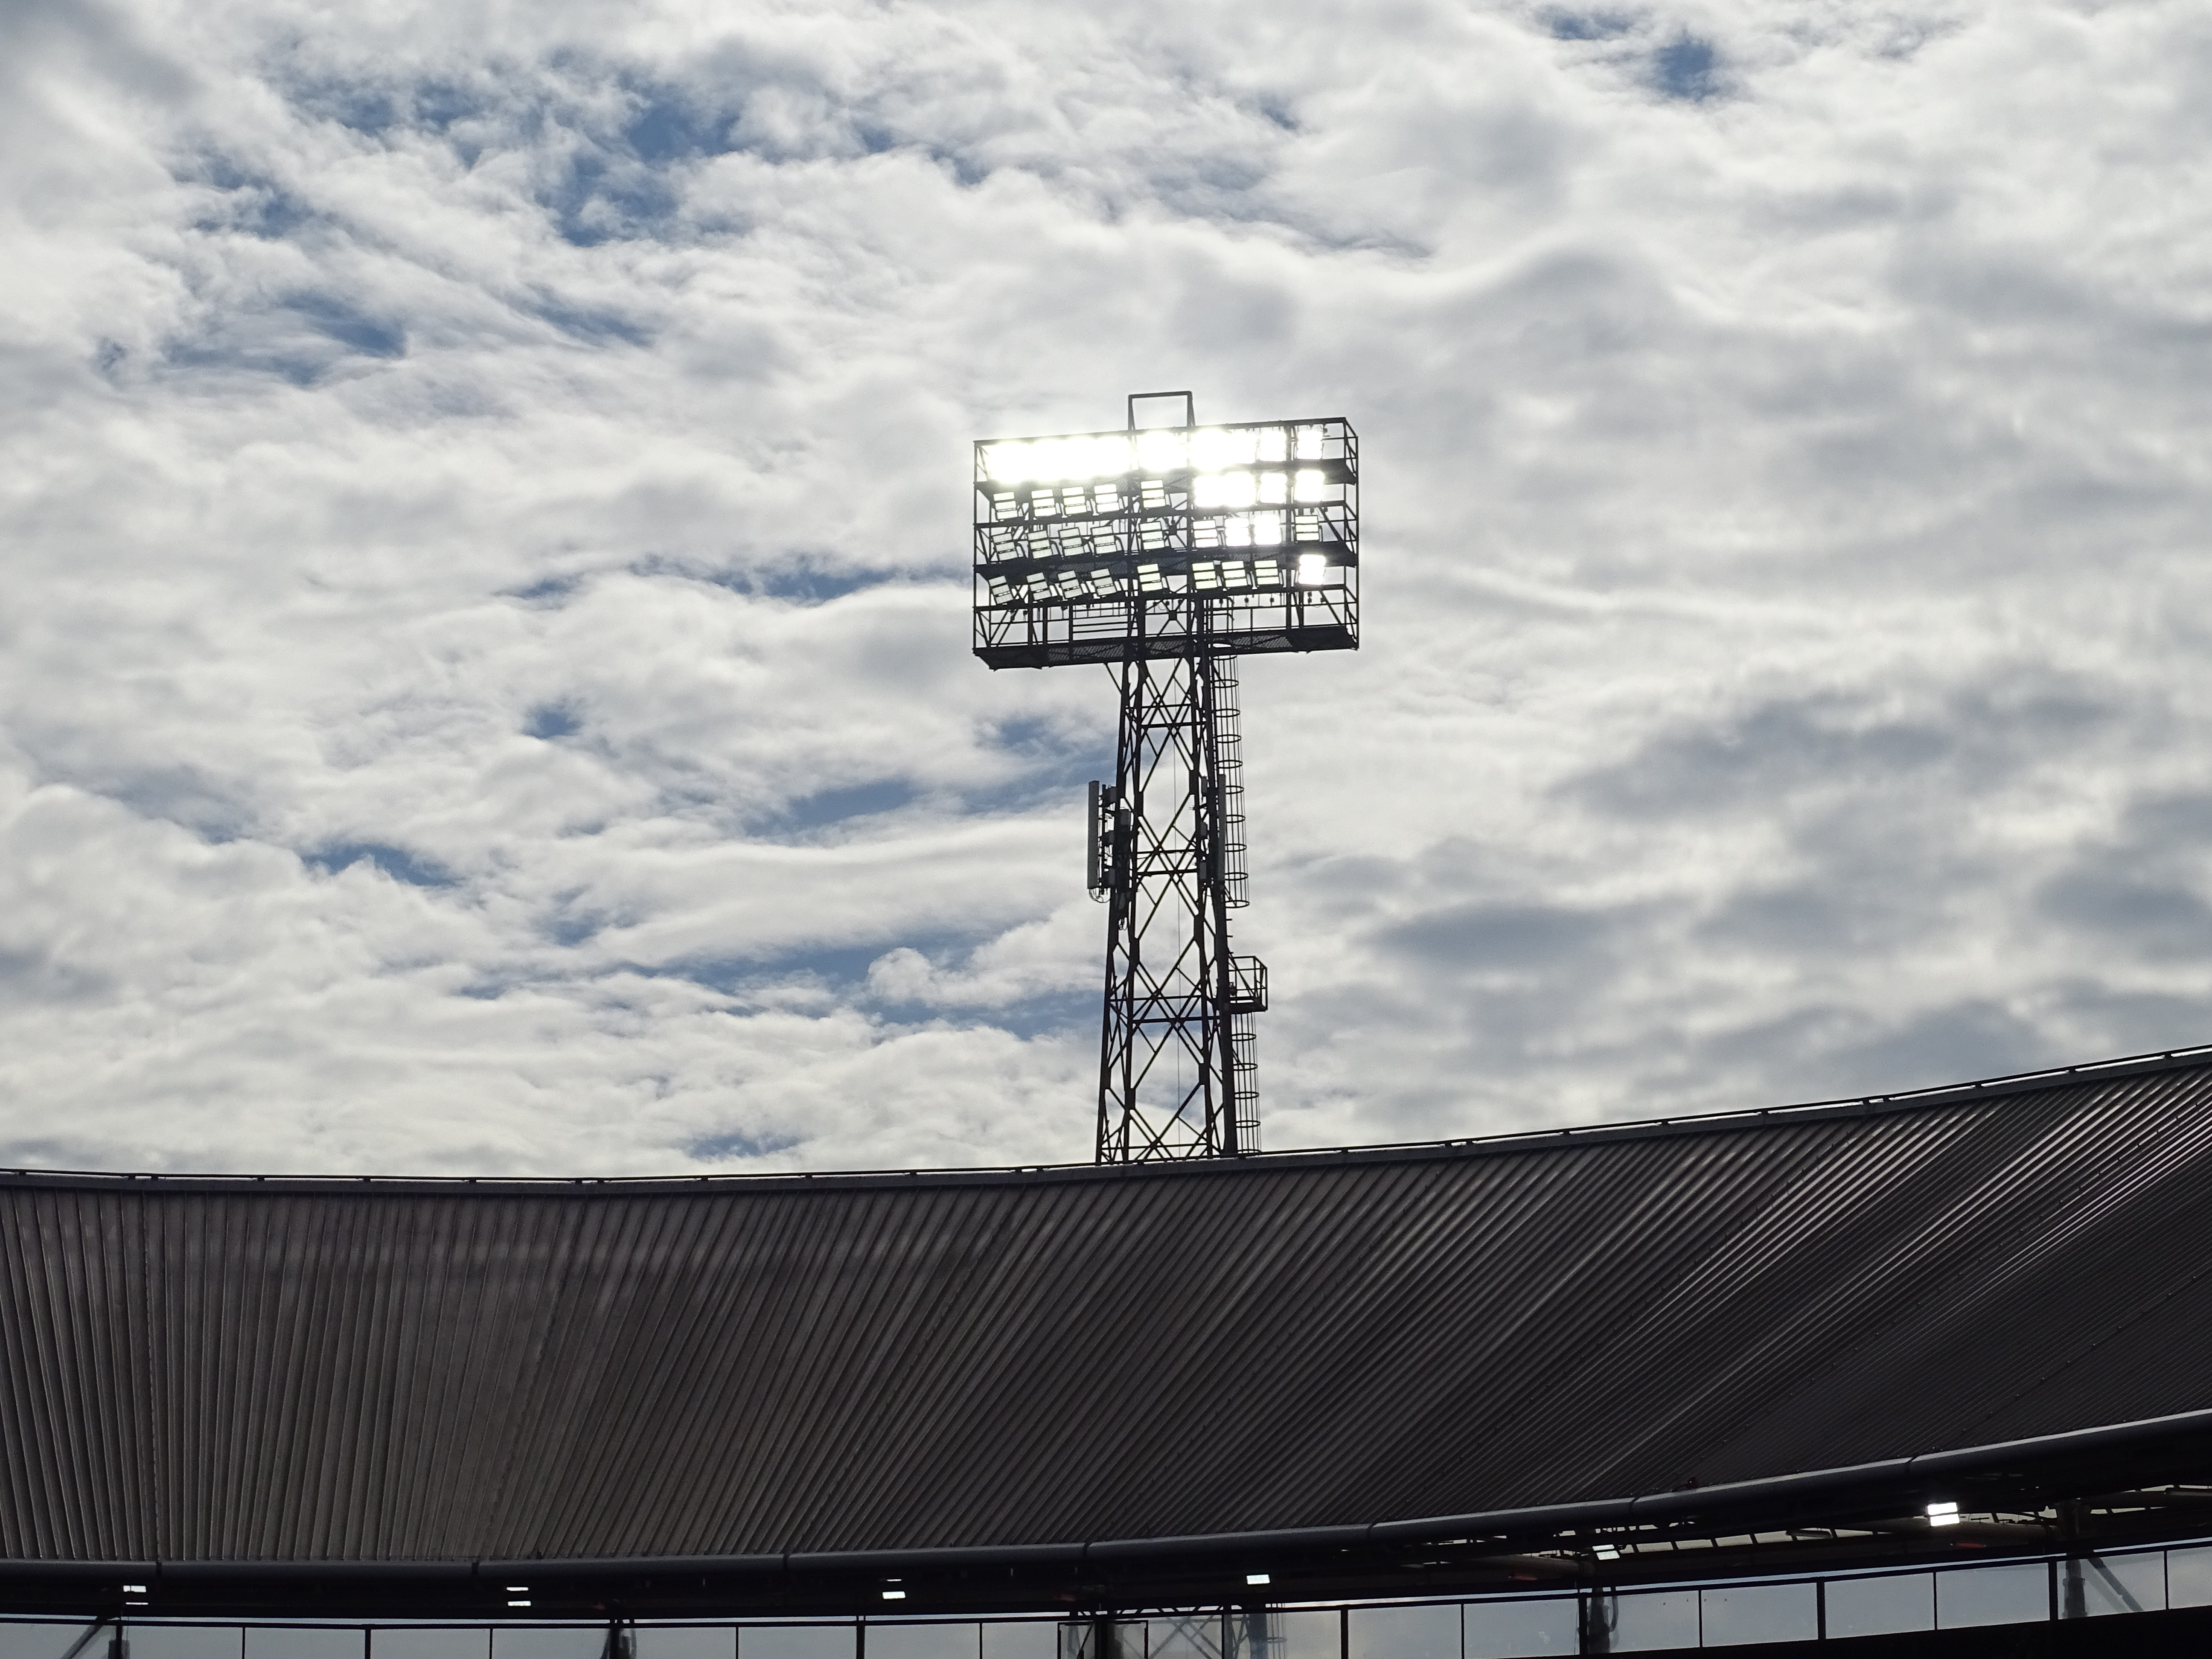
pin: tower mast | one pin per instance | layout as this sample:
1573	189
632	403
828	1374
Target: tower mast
1166	551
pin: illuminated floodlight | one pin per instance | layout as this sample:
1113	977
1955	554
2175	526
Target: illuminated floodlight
1102	546
1224	489
1056	460
1942	1515
1164	450
1213	447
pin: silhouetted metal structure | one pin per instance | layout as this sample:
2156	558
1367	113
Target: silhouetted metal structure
1166	552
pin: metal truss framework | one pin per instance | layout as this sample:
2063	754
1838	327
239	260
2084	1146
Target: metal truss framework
1176	1064
1167	552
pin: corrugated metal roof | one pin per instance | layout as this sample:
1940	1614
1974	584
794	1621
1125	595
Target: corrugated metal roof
284	1371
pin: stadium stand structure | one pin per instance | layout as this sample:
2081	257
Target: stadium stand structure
1747	1346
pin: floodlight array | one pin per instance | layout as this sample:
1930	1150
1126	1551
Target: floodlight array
1167	450
1110	546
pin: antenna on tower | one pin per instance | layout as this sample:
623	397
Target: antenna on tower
1166	551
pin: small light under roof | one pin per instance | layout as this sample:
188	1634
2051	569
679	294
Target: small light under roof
1255	1578
893	1596
134	1590
1942	1515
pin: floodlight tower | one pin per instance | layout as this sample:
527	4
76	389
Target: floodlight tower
1166	551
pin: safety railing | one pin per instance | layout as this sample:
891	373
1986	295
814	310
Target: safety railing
1655	1618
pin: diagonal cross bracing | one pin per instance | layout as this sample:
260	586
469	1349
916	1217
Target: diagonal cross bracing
1167	1062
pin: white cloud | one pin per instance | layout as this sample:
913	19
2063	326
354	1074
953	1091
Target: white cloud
484	682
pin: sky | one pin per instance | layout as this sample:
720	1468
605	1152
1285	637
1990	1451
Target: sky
485	681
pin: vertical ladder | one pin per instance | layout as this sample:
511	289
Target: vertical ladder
1229	779
1247	977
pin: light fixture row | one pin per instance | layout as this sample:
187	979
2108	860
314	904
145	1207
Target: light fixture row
1115	454
1075	581
1262	528
1207	490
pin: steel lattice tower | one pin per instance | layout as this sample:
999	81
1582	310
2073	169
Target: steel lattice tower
1166	552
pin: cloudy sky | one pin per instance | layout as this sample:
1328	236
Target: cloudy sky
485	672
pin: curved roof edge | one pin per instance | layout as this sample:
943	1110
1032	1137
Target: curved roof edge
1516	1141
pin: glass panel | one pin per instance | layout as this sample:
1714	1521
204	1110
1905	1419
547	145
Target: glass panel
45	1641
1508	1630
276	1642
1194	1636
1760	1613
1251	1633
792	1642
1117	1639
551	1642
1309	1635
1993	1595
1430	1632
681	1642
2118	1584
2189	1577
180	1641
1026	1638
1655	1618
1882	1606
919	1641
412	1642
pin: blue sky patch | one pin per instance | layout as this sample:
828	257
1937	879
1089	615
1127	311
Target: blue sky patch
349	326
1686	67
851	800
546	591
593	326
668	128
552	719
253	203
802	581
396	862
735	1143
1587	25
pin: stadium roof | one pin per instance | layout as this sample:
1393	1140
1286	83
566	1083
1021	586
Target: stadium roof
234	1377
